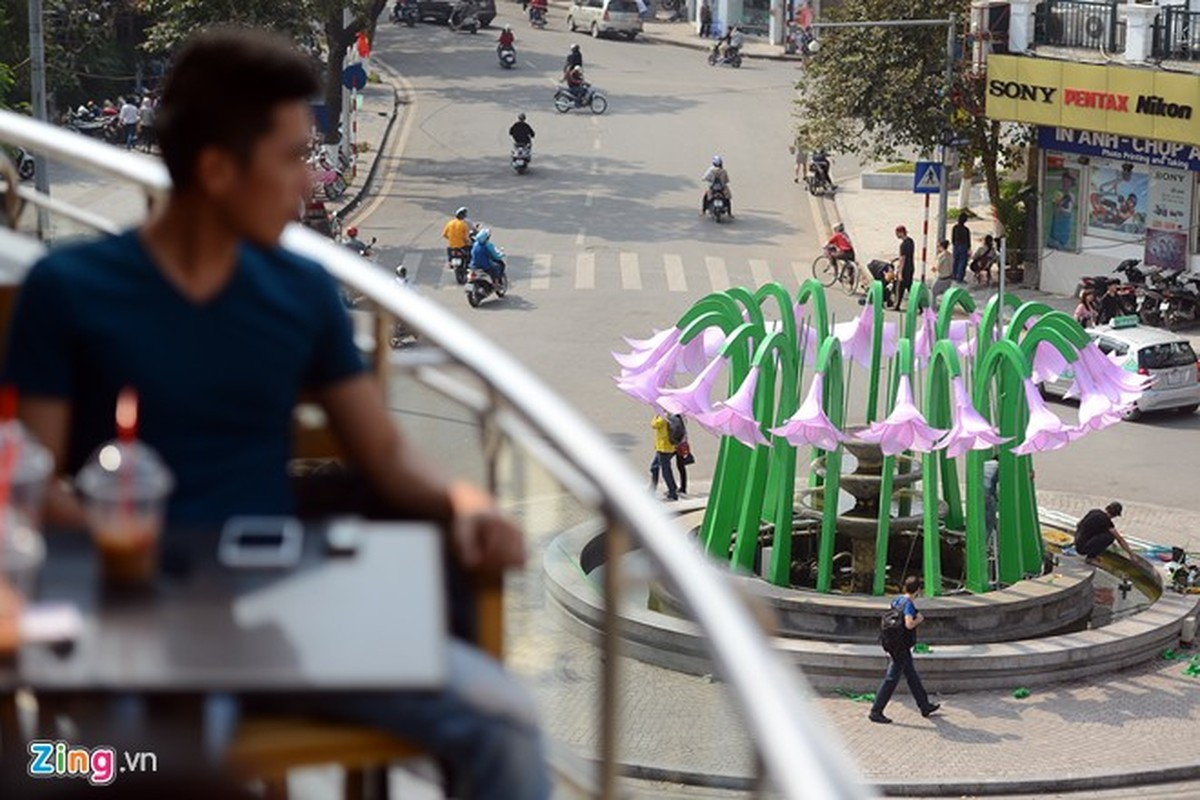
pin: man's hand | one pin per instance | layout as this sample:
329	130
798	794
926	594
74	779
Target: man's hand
483	539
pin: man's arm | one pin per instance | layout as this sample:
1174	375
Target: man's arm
482	538
48	420
1121	541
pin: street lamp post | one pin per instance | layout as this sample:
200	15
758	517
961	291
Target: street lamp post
950	25
37	82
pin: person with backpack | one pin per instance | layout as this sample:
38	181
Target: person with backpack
677	433
898	634
664	452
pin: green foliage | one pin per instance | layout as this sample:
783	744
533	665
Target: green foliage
1011	212
904	167
172	21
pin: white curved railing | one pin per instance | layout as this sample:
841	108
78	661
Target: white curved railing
795	748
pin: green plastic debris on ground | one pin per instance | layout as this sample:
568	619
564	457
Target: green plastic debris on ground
1021	693
864	697
921	647
1192	670
1171	654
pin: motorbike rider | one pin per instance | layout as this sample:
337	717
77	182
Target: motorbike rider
714	175
733	42
506	40
521	132
537	10
574	61
820	168
354	243
576	85
457	233
486	256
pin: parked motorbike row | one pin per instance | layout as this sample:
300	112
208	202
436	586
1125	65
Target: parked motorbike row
1160	297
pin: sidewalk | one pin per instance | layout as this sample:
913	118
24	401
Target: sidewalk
683	34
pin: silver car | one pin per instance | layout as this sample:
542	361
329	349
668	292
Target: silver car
605	16
1164	356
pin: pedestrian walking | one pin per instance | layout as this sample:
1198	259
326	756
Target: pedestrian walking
705	20
664	454
899	644
945	270
960	237
128	117
801	154
683	451
1096	531
146	123
906	265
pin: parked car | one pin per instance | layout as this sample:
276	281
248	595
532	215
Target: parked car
605	16
1166	357
439	11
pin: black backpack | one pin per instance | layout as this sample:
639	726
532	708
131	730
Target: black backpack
676	431
894	635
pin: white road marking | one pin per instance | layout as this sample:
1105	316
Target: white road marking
802	272
631	276
541	272
595	169
446	281
587	200
581	237
761	272
585	271
596	143
673	267
412	263
717	275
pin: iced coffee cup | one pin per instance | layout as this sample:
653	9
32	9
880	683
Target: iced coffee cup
125	486
22	554
28	466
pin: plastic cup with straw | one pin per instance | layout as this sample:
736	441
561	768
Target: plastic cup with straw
125	486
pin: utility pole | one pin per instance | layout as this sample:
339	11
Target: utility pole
950	24
37	82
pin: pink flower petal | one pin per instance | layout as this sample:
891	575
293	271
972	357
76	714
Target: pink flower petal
1045	431
809	425
905	428
695	398
968	430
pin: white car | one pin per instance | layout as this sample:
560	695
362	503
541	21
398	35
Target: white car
605	16
1166	357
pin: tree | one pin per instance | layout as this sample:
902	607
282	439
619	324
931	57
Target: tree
875	92
316	25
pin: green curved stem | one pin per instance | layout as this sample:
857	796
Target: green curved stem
919	299
953	298
987	325
883	526
811	291
875	301
1026	311
943	368
829	363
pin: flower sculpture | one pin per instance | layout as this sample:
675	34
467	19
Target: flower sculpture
735	416
647	350
856	336
695	398
905	428
1045	431
697	353
1048	363
925	336
809	425
968	429
965	335
648	383
1122	388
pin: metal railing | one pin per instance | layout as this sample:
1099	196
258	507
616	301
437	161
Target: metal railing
1177	34
1079	23
798	755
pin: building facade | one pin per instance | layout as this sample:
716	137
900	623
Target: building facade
1118	141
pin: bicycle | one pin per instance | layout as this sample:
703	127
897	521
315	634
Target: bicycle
829	269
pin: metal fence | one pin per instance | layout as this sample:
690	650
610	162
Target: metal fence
1177	34
1079	23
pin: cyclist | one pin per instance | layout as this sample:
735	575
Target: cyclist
840	249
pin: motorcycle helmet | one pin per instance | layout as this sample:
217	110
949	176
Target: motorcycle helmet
508	28
575	48
402	272
839	228
577	72
483	235
352	232
461	213
716	161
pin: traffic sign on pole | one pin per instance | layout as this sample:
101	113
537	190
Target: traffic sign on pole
927	177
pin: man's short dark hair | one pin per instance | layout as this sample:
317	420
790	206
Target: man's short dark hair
223	91
962	217
1114	509
912	584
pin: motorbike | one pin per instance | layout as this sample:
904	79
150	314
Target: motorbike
1181	304
537	17
508	57
23	161
326	178
730	57
591	98
718	201
407	14
459	258
818	182
464	20
101	127
481	285
522	154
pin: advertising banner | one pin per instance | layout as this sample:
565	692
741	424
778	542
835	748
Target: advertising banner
1167	219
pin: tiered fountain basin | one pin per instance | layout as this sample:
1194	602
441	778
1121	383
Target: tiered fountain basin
1030	634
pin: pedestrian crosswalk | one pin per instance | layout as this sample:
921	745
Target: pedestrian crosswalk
623	271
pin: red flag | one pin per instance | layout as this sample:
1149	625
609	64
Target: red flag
364	47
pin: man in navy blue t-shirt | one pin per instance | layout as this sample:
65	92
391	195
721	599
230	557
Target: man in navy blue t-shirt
219	330
901	663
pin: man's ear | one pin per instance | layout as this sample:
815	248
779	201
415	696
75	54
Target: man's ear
216	172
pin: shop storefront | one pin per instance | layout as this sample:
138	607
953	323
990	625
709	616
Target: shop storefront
1119	152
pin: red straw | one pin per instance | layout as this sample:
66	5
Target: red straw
127	415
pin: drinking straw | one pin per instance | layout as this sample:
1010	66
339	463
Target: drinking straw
127	413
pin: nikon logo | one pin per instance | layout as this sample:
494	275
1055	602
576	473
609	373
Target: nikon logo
1155	106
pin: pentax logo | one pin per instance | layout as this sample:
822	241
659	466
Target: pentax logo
98	765
1103	101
